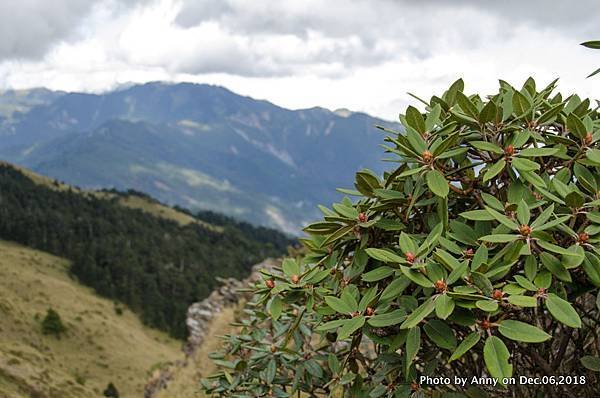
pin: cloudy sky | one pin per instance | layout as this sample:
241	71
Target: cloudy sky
362	55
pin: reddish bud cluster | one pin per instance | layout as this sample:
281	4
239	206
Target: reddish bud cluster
270	283
588	139
273	348
485	324
509	150
468	253
355	314
583	237
362	217
369	311
525	230
427	156
497	294
440	286
295	278
410	257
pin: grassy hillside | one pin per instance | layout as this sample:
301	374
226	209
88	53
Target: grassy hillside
100	346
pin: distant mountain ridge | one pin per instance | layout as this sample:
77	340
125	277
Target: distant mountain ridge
198	146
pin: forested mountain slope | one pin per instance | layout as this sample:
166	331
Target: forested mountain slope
155	265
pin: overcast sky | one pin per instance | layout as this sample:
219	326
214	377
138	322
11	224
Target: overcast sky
361	55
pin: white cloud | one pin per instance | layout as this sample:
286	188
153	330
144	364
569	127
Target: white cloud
357	54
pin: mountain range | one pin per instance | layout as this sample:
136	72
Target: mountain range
193	145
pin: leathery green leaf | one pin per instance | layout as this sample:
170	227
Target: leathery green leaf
495	355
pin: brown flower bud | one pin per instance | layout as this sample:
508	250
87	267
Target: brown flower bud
295	278
525	230
485	324
509	150
369	311
497	294
589	138
440	286
362	217
468	253
270	283
410	257
583	237
273	348
427	156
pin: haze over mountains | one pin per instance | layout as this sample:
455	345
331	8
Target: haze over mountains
197	146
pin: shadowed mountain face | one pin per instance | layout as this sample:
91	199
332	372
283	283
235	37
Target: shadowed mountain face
198	146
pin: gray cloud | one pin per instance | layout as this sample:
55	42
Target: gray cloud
29	28
367	32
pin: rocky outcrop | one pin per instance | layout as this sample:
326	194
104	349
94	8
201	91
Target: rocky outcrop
199	318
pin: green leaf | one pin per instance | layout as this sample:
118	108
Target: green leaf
457	273
494	170
495	355
590	362
562	311
522	301
592	44
499	238
385	255
444	305
525	283
502	219
440	333
437	183
276	307
395	288
467	106
523	164
414	118
593	155
367	299
554	248
477	215
413	344
480	258
534	152
576	126
378	274
487	146
419	314
346	211
416	277
554	265
523	213
387	319
521	331
407	244
465	346
337	235
520	103
350	326
339	305
487	305
543	217
290	267
330	325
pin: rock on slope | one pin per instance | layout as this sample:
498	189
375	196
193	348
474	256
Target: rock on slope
206	321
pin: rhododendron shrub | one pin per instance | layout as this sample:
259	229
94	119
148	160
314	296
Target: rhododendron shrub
476	255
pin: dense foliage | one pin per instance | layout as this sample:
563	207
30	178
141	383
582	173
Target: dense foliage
155	266
476	256
52	324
